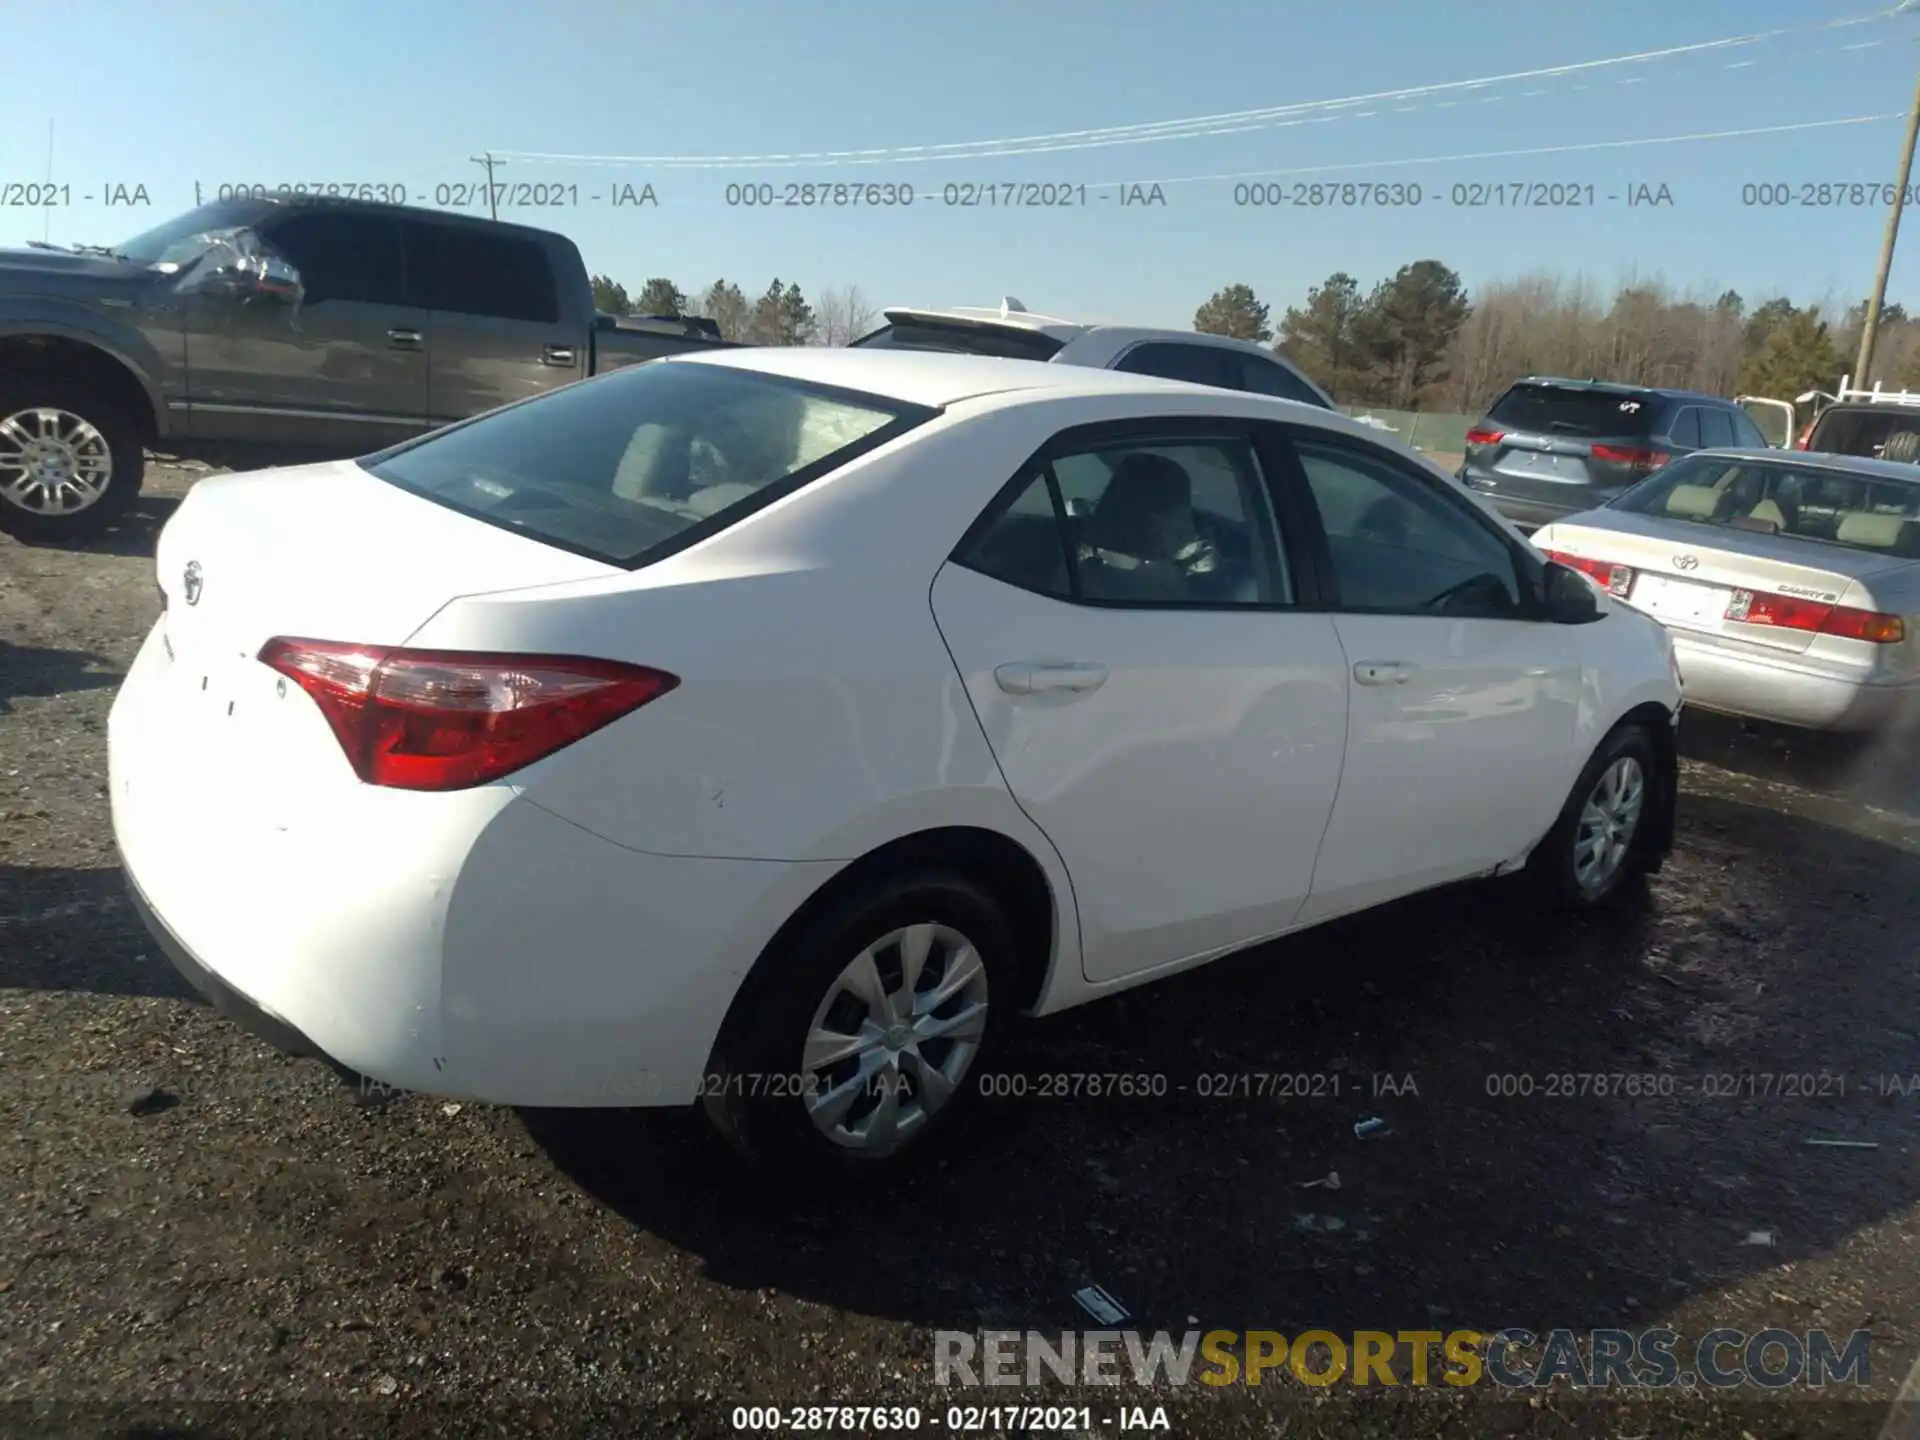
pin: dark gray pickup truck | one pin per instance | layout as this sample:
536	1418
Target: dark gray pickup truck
282	322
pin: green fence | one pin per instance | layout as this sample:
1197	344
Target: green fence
1423	430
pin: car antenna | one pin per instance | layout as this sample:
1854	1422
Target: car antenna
1011	306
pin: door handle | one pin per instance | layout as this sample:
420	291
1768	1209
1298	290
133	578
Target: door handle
1382	672
1028	677
556	355
404	339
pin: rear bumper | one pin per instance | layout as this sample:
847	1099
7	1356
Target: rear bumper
470	945
1529	510
1789	693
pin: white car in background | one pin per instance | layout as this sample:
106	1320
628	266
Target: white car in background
1014	332
770	729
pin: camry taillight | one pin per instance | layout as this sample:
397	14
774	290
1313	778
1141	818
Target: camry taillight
1615	579
1788	613
1637	458
450	719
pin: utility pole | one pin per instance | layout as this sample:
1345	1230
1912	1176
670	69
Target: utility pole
1870	331
493	195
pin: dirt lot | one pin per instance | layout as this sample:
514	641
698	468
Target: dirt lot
199	1234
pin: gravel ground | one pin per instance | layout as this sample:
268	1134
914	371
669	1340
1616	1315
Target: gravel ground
199	1236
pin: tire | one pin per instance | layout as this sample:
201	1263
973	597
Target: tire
1903	445
90	431
759	1092
1625	756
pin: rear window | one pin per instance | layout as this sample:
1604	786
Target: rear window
1003	342
1567	410
629	467
1861	512
1863	431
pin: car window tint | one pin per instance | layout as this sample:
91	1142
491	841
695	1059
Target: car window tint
1264	377
1686	427
1716	428
619	467
1196	364
1573	410
341	256
1026	545
471	271
1746	431
1398	545
1169	524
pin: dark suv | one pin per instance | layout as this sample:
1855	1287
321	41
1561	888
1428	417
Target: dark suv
1551	447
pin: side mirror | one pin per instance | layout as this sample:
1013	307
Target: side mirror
1569	595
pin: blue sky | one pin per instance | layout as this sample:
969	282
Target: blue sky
403	92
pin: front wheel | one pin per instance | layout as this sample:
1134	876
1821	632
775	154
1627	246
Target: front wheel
1599	844
866	1037
70	459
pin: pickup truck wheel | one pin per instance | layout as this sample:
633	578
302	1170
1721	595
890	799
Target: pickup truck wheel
70	459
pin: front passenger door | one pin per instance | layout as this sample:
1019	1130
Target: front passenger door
1462	702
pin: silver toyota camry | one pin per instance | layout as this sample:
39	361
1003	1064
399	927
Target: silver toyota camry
1790	581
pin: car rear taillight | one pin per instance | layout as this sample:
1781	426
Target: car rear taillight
1482	435
1635	457
450	719
1789	613
1615	579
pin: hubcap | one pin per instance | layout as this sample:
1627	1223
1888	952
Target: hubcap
894	1037
52	462
1608	821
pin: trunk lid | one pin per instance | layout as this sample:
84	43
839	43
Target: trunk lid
1685	576
329	552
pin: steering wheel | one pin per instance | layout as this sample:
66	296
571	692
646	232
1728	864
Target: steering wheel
1485	587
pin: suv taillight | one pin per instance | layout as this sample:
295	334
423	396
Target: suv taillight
1639	459
1484	435
450	719
1614	579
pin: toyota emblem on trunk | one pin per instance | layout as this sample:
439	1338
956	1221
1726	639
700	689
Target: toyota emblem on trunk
1684	562
192	582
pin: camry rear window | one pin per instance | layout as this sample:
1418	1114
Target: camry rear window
1002	341
1861	512
633	465
1567	410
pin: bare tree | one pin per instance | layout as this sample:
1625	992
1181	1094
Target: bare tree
843	315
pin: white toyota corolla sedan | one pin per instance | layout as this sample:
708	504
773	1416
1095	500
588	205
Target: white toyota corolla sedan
769	729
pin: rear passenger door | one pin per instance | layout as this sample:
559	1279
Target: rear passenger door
1130	624
495	328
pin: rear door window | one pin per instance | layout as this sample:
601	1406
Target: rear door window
1686	427
1196	364
1265	377
631	466
471	271
1716	429
1572	410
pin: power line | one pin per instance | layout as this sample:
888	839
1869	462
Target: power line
1224	123
1347	165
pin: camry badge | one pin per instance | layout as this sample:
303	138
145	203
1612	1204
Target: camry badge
1687	562
192	582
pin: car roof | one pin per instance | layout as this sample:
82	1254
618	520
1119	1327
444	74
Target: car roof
1621	387
929	377
1866	465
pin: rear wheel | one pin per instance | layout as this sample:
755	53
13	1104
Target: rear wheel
70	459
1600	843
866	1039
